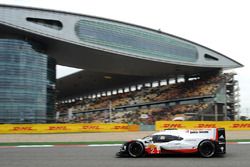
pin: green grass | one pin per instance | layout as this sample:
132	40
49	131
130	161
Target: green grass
85	143
60	143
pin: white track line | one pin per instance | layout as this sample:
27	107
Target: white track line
243	142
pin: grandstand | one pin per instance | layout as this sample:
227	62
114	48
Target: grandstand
201	98
131	73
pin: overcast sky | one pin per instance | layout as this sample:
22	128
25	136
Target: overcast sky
222	25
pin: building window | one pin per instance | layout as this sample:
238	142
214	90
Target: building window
133	40
26	79
54	24
210	58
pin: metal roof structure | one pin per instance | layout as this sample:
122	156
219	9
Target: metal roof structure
126	52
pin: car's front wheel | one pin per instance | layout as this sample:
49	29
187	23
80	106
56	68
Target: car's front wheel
136	149
207	148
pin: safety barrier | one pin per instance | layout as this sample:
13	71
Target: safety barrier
159	125
65	128
228	125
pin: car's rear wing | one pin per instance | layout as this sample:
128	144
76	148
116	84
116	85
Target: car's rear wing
221	140
221	135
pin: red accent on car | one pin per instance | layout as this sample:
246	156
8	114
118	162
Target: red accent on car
152	149
192	150
217	135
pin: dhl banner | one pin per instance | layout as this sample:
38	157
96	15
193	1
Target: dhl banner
228	125
65	128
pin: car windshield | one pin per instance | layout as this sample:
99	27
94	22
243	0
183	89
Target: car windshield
165	138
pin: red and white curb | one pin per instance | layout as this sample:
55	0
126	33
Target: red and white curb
90	145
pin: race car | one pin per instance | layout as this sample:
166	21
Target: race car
206	142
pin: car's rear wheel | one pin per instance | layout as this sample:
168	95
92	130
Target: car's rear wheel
136	149
207	148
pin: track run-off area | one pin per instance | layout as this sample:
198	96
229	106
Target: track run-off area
104	156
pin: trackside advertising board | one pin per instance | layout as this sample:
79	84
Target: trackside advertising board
228	125
65	128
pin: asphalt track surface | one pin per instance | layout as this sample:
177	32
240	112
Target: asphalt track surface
75	156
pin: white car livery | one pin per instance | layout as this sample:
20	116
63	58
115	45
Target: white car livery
206	142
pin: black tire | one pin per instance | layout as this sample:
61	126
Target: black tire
207	148
136	149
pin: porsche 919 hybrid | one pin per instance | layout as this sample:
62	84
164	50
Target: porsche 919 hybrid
206	142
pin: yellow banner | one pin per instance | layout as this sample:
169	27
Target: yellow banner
63	128
228	125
